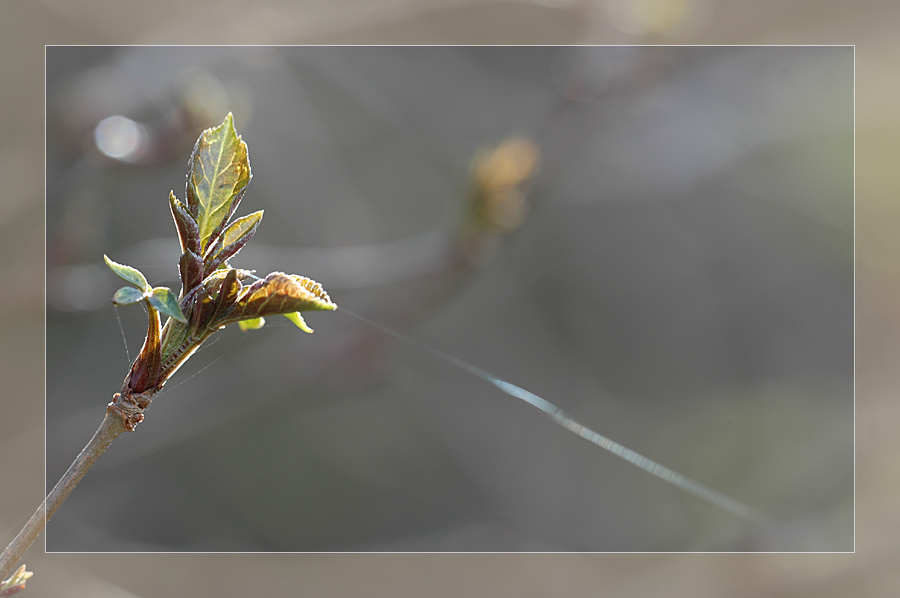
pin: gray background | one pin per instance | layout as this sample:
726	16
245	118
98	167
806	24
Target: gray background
871	571
683	284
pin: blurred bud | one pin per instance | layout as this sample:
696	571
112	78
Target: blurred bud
500	176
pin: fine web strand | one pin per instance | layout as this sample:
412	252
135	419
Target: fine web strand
561	418
207	345
122	330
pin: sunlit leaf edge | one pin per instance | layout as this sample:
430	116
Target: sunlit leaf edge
128	274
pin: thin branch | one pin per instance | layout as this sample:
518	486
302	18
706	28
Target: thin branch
113	425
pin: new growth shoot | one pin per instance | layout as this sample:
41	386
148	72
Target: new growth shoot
212	295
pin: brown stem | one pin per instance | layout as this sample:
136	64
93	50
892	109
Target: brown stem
112	426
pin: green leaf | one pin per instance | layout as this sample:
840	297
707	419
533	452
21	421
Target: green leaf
240	230
127	296
166	303
252	323
279	294
229	243
297	319
220	172
129	274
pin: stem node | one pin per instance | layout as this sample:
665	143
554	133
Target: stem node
129	406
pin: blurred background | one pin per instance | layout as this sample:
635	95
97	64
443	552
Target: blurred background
700	312
681	278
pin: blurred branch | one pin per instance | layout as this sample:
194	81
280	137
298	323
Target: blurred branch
15	583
